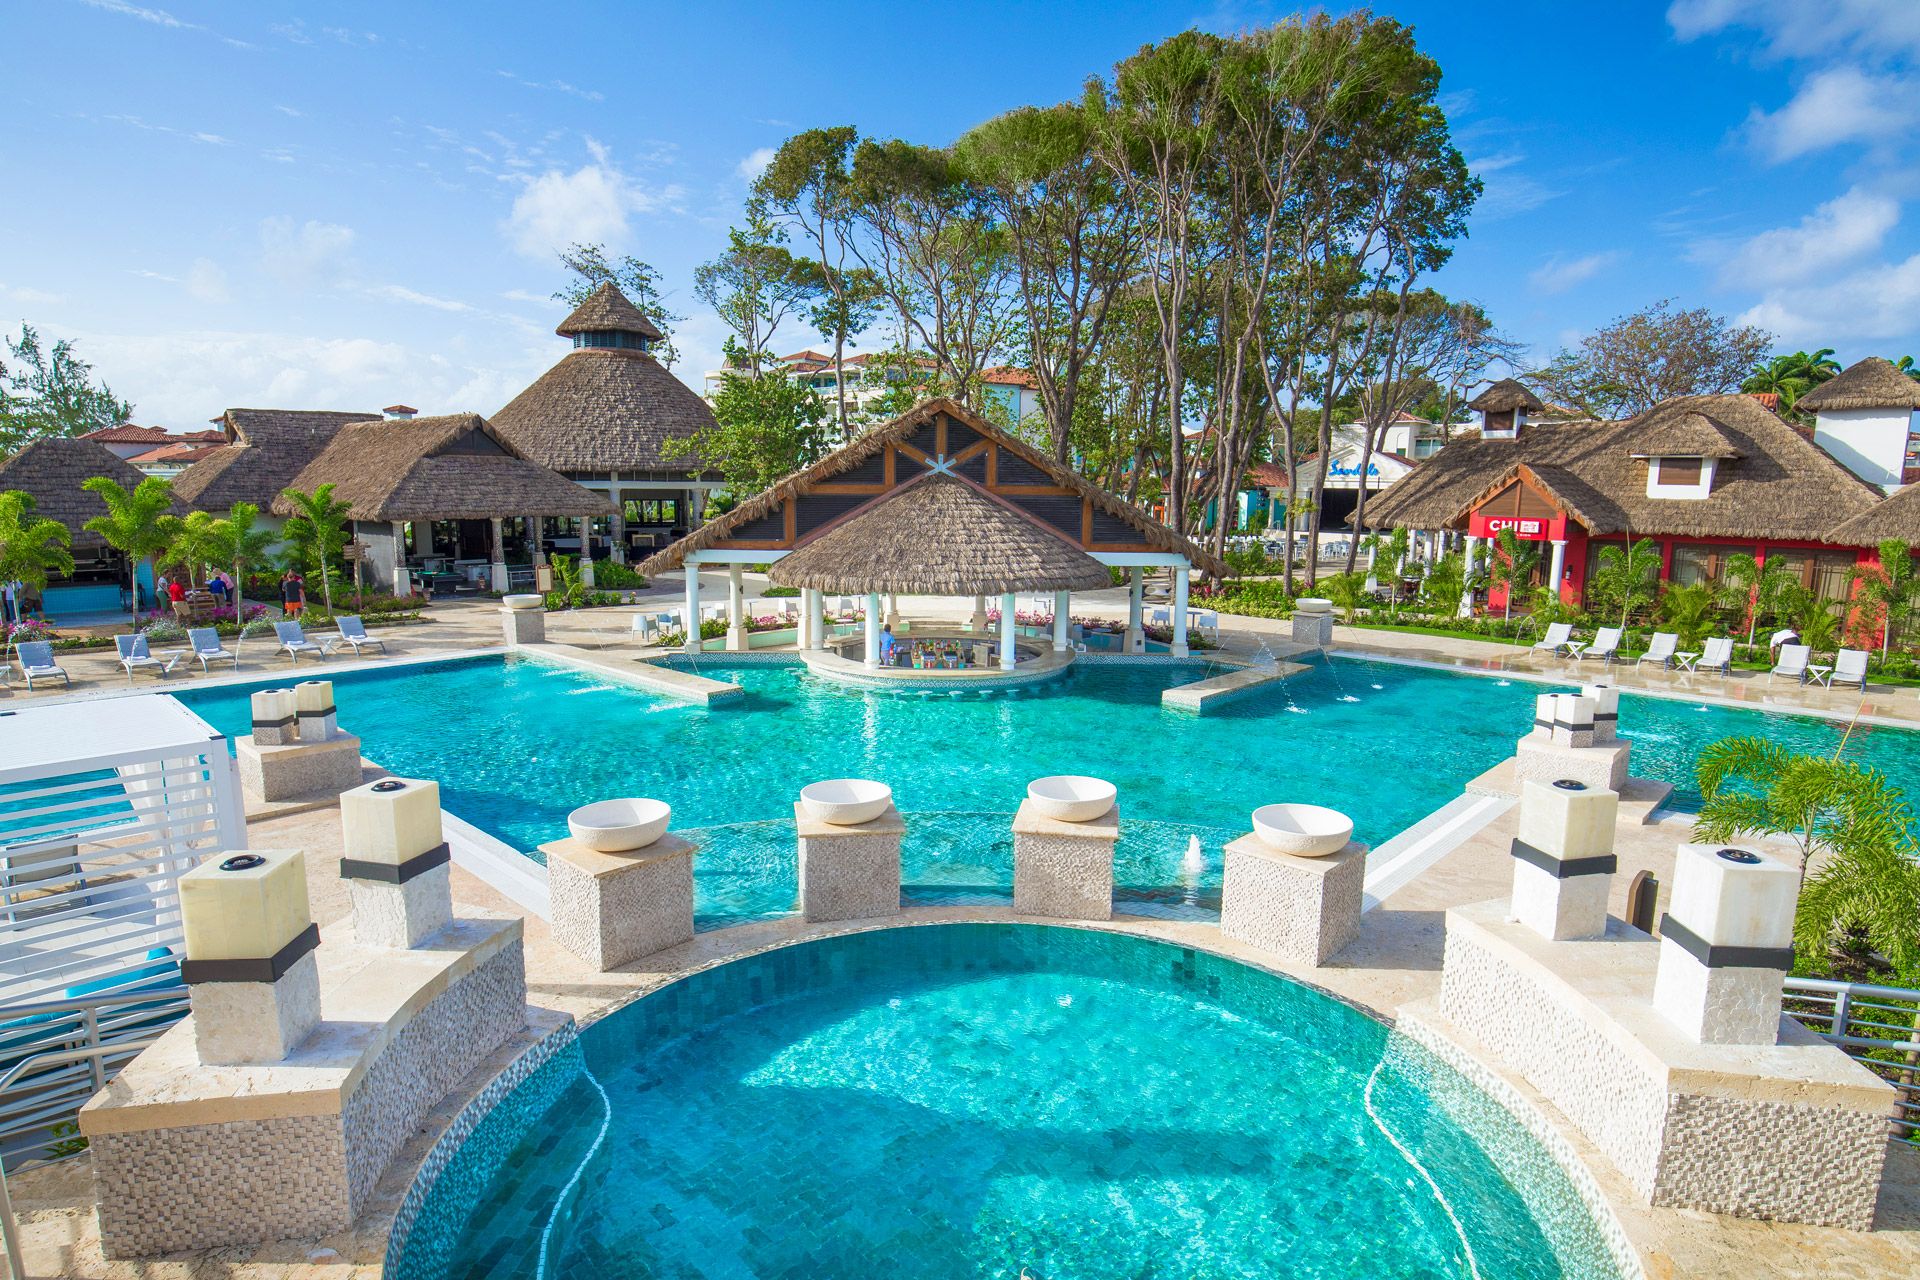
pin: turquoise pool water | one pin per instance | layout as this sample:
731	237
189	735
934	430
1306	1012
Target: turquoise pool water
516	744
972	1100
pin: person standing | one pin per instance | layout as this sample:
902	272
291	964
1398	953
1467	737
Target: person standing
293	595
217	584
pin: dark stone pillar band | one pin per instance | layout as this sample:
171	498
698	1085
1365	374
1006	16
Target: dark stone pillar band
395	873
1693	944
1565	868
282	723
270	969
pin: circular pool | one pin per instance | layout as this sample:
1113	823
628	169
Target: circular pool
982	1099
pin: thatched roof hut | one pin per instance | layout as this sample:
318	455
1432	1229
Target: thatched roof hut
265	450
1896	517
52	471
1504	395
1873	383
937	535
1685	435
1777	484
936	434
446	468
608	405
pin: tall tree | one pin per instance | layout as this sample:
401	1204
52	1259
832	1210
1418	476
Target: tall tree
32	548
51	392
139	523
243	541
754	286
197	546
316	532
640	283
767	426
1633	363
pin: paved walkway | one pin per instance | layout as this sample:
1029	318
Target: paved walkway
1395	960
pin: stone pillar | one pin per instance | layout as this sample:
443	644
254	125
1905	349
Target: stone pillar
1136	640
535	542
736	611
893	611
803	629
1606	711
395	861
1063	869
873	629
1180	579
1565	743
1466	596
1557	565
1009	653
276	717
523	619
1725	943
249	965
1062	602
611	909
1312	622
402	576
849	873
819	638
497	554
1301	910
617	530
692	644
1563	861
313	703
978	623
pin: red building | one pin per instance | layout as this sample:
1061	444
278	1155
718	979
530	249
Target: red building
1703	477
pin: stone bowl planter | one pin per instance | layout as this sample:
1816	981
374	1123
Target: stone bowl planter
618	826
846	802
1069	797
1312	604
520	602
1303	830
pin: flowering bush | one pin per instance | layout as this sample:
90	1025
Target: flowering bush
26	631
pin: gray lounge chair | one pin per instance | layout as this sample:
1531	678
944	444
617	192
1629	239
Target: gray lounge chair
1558	633
135	655
206	645
353	632
1792	662
1659	649
294	642
1717	656
36	662
1849	667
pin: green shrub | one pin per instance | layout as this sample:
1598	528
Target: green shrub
614	576
780	591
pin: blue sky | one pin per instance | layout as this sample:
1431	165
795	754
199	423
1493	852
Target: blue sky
341	206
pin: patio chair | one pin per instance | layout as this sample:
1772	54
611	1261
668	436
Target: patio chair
353	633
1605	646
1205	620
1792	662
1717	656
1659	649
206	646
1558	633
1159	617
36	662
294	642
1849	667
135	655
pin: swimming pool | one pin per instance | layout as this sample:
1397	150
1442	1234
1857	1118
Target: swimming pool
516	743
971	1100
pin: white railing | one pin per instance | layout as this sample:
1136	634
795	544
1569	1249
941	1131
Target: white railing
1877	1026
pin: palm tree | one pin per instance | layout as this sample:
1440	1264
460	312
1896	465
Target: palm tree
141	524
1757	588
317	531
1844	815
1689	610
1628	574
242	541
1906	365
31	547
196	545
1892	587
1512	564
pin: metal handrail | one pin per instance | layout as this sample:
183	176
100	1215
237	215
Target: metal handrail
9	1226
1879	1027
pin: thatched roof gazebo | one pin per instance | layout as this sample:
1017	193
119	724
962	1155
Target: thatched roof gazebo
939	536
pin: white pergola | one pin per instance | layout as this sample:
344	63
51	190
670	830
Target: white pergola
813	629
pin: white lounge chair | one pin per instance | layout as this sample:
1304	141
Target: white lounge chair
1792	662
1659	649
36	662
1205	621
1849	667
294	642
1558	633
353	633
1605	646
135	655
1717	656
206	646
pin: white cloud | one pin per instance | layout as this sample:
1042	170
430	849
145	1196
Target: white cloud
590	205
207	282
1871	29
1835	105
159	18
400	293
755	163
295	112
526	295
1561	273
1839	232
559	86
301	253
1872	304
29	296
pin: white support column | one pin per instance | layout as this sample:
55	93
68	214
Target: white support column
873	628
693	608
1466	596
819	607
1061	602
586	550
1558	567
498	554
803	634
893	611
978	622
1180	577
1136	638
1008	655
736	612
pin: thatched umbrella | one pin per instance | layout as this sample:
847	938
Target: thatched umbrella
939	536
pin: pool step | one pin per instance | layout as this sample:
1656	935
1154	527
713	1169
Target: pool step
1393	865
